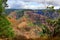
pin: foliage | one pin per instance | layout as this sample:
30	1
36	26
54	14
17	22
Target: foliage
56	25
5	28
45	29
1	7
51	8
20	13
58	10
4	2
30	23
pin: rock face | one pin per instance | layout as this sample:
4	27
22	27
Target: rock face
27	31
36	17
27	25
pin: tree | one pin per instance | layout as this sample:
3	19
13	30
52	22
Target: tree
2	5
58	10
56	26
5	26
51	8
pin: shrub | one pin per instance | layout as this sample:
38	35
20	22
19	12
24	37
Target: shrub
5	29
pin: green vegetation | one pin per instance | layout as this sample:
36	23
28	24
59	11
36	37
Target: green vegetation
51	8
20	13
30	23
56	25
1	7
45	30
58	10
5	27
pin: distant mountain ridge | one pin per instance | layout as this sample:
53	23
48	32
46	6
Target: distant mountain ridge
49	14
11	10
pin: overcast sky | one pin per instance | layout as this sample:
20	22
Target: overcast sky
32	4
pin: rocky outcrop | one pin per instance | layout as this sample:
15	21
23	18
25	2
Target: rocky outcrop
22	26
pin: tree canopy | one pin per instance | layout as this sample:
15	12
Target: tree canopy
5	26
2	5
51	8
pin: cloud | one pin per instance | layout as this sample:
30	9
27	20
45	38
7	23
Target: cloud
39	6
32	4
15	4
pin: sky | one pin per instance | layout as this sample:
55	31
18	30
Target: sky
32	4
